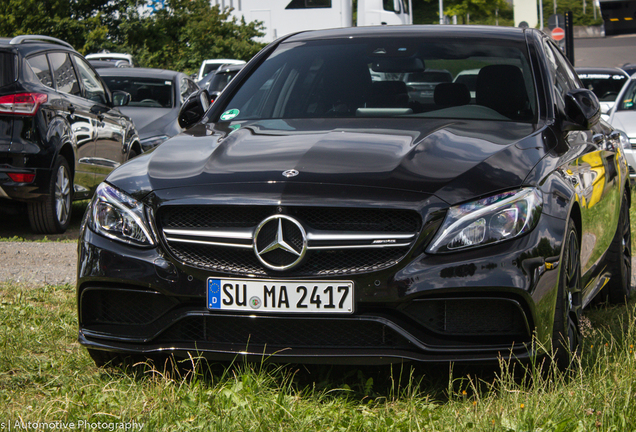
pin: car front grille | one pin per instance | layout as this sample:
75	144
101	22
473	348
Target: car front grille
470	316
282	332
123	306
341	241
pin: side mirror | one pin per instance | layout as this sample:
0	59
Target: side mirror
582	110
121	98
194	108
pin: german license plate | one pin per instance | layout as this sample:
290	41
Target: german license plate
280	296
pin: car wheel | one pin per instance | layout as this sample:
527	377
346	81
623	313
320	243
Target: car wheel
132	154
566	334
620	257
53	215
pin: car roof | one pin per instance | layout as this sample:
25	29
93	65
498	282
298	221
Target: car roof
229	68
139	72
27	44
412	31
585	69
229	61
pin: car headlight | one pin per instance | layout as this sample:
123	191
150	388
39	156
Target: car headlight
119	216
489	220
148	143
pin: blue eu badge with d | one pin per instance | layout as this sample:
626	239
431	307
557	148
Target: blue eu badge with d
214	294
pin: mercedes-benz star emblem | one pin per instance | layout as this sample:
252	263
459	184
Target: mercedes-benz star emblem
291	173
280	242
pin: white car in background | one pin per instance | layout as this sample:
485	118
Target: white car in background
606	83
113	57
210	66
623	117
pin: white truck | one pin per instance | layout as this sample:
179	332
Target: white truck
281	17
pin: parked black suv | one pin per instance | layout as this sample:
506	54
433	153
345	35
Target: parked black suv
60	133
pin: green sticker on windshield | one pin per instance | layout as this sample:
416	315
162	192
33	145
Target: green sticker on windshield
230	114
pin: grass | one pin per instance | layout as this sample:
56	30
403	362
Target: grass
45	376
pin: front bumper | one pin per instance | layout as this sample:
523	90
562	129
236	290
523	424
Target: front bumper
474	306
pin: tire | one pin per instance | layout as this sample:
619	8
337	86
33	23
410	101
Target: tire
620	257
53	215
132	154
566	333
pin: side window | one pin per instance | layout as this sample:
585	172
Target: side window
391	6
64	74
192	87
93	86
184	89
40	66
306	4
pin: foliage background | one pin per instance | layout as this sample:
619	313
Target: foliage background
178	37
186	32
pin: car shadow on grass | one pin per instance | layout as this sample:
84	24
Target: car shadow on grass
14	224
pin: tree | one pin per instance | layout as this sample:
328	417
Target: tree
178	37
479	11
72	21
187	32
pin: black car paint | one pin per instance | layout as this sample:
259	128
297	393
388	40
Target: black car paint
401	173
56	129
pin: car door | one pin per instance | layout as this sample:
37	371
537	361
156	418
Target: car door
592	169
84	123
110	149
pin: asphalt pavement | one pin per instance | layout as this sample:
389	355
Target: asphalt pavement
611	51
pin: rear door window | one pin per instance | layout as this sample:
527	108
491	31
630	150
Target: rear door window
40	66
64	74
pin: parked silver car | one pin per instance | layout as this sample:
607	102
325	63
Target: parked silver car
623	117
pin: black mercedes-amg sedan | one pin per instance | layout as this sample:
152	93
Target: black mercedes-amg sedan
317	212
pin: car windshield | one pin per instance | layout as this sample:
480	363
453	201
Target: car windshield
626	103
605	86
389	77
144	92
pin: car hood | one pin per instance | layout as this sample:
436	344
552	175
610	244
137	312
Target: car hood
624	120
151	122
455	160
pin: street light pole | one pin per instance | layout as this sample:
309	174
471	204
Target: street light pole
441	11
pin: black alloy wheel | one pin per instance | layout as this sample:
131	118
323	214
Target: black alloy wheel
53	215
566	334
620	257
